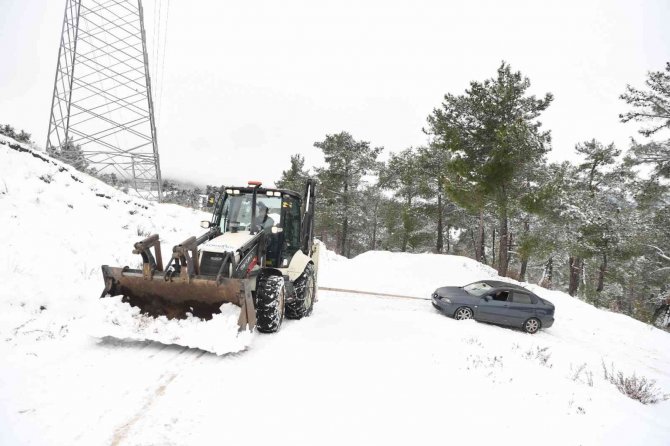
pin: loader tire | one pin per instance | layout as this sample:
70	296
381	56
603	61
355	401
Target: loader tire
270	300
305	290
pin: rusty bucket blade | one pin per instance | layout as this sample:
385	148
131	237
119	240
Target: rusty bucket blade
174	297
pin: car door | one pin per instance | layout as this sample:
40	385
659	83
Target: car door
521	308
493	307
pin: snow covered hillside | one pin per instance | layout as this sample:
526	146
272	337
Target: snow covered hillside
361	370
58	226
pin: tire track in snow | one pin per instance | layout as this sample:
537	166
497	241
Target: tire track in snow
121	433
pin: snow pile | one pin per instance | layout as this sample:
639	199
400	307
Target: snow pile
58	227
218	335
581	335
416	275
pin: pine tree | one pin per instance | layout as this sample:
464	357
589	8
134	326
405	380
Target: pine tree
347	162
597	157
402	174
296	176
652	104
433	162
374	203
606	202
493	133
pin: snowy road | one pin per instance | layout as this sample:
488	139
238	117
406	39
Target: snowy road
361	370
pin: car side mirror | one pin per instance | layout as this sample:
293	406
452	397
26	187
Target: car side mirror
486	298
205	224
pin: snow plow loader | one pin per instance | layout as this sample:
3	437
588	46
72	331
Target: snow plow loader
258	254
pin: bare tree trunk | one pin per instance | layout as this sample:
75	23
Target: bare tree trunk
440	236
547	274
522	270
404	241
338	242
481	255
503	254
493	247
601	273
345	222
448	238
524	256
510	237
374	227
574	263
343	239
405	224
474	244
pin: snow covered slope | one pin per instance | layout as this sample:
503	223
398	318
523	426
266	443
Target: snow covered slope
58	226
360	370
585	333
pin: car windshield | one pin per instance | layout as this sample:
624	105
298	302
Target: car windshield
478	288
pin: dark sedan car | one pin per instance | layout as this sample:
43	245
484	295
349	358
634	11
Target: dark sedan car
497	302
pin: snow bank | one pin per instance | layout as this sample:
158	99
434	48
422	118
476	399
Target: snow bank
59	226
416	275
582	334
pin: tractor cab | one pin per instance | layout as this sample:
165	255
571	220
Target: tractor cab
251	210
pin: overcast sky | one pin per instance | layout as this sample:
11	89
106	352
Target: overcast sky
247	84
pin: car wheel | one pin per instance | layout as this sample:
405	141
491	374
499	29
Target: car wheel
463	313
532	325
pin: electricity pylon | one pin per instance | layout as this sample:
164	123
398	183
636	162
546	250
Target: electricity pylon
102	101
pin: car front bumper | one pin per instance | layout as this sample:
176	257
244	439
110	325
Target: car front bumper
445	307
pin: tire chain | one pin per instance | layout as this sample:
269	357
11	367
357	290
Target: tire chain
267	303
296	308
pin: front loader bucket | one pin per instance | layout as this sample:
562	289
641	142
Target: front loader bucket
158	294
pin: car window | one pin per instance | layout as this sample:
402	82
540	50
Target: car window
477	288
501	295
521	298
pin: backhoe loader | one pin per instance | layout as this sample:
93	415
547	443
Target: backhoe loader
258	253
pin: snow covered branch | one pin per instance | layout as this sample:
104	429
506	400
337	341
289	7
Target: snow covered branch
660	252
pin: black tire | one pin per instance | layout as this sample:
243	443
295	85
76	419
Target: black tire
463	313
532	325
269	301
305	290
